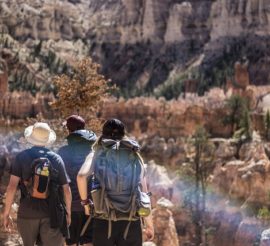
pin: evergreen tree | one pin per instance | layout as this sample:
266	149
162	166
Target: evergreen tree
37	49
235	106
57	66
6	43
64	68
201	157
246	125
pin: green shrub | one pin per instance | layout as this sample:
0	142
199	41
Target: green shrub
264	213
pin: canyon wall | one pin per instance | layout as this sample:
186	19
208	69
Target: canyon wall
141	44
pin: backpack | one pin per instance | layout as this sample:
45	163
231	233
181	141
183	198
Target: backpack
37	185
116	182
43	184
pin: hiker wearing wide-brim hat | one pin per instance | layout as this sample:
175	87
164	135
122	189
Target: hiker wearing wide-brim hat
40	134
34	219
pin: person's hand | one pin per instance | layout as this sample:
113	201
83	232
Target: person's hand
68	219
87	209
7	222
149	233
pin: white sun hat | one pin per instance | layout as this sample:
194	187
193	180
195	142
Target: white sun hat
40	134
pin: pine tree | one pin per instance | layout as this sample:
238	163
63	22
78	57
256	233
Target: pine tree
245	124
6	43
201	154
57	66
37	49
235	106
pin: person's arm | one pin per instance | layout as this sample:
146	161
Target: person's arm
64	181
87	168
68	199
149	230
82	187
10	194
84	173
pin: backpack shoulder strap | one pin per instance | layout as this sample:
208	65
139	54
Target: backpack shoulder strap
141	165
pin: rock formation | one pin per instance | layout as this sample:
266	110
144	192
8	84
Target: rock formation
181	117
165	231
17	105
183	29
248	232
236	176
3	77
265	238
241	80
141	44
241	76
154	117
159	182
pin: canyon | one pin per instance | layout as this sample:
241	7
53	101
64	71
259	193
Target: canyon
142	44
155	50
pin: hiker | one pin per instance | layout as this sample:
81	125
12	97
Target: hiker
119	192
41	176
79	145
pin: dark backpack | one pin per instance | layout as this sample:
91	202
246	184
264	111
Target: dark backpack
37	185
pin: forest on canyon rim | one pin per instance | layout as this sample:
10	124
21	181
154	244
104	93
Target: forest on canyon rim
191	82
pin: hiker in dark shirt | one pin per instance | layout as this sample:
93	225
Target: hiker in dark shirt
118	184
34	222
79	145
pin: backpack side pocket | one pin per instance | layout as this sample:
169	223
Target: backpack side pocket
143	204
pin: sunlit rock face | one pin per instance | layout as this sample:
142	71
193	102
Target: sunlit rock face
140	43
231	18
3	77
247	178
17	105
241	178
175	118
159	182
137	38
42	20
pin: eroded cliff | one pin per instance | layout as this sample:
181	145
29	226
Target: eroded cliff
141	44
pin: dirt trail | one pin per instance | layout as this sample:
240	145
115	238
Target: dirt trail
7	239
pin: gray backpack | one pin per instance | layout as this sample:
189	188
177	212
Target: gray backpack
116	183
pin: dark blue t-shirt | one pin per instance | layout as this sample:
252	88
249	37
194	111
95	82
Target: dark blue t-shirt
31	208
74	154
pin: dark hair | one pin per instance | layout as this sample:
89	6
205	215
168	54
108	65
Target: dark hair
74	123
114	129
